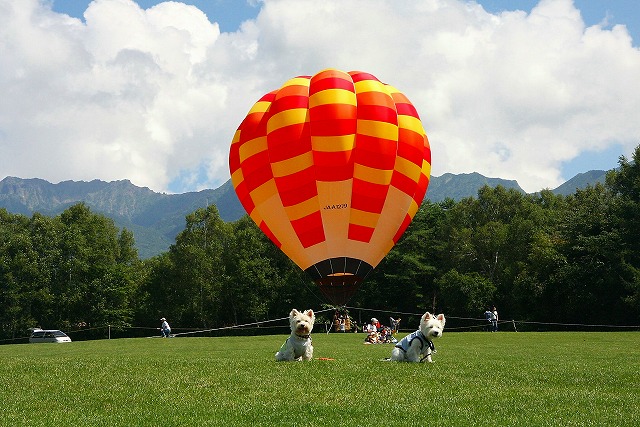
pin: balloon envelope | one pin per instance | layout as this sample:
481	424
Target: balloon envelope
332	168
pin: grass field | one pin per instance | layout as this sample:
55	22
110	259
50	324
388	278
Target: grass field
479	379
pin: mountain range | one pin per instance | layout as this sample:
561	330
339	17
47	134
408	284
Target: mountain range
156	218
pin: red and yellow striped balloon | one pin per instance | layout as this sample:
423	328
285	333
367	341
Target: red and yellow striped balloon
332	168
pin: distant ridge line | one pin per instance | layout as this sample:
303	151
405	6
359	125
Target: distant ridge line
156	218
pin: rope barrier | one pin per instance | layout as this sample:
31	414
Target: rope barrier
587	325
482	324
257	323
513	322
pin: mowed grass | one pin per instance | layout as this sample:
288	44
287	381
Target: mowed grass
478	379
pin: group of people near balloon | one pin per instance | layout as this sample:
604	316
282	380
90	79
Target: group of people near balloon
376	333
342	322
381	334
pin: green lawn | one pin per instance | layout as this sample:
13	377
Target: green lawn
479	379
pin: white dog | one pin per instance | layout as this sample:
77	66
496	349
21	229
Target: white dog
418	345
298	345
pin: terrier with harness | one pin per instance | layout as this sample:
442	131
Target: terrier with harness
418	346
298	345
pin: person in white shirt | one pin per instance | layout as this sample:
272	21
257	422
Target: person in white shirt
494	319
165	328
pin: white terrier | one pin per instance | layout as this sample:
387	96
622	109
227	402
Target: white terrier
298	345
419	343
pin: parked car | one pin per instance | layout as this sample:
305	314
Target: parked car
48	335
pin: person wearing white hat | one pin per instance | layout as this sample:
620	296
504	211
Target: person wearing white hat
373	326
376	323
165	328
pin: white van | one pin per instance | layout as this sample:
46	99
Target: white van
48	335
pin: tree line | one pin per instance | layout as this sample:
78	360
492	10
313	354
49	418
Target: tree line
538	257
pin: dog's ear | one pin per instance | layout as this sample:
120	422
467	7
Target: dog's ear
426	316
294	313
309	313
441	318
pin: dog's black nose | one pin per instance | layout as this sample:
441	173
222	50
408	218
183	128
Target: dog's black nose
436	333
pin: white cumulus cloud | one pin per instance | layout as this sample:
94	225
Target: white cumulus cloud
155	95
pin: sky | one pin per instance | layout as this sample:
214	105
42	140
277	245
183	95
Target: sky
152	92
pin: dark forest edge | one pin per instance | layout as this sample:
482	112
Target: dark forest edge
540	257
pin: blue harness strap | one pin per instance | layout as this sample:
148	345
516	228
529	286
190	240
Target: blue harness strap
406	342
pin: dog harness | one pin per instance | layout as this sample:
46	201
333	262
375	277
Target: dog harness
405	342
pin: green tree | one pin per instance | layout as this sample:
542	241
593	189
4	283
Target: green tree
493	236
19	275
97	289
264	283
155	297
465	294
624	182
406	276
589	281
200	275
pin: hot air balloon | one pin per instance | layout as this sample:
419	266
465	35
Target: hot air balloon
332	168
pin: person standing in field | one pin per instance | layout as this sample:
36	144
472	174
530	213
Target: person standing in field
494	319
395	324
165	329
488	315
